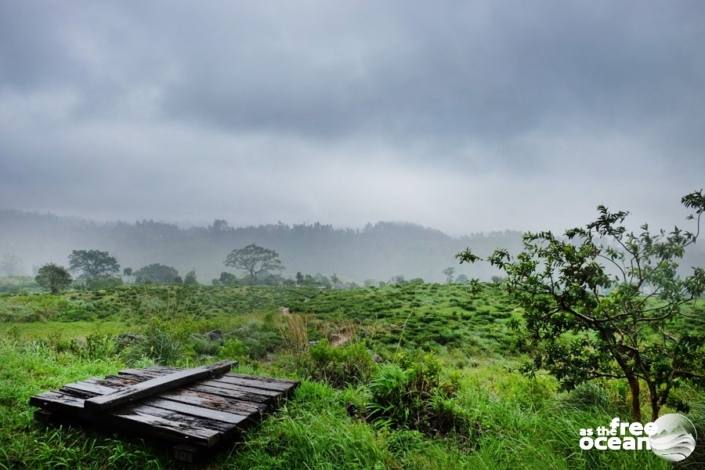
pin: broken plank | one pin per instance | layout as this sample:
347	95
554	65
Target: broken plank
156	385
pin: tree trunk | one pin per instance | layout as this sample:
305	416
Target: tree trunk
635	390
654	399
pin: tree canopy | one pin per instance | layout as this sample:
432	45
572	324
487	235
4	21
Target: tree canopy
255	260
603	302
157	274
93	264
52	277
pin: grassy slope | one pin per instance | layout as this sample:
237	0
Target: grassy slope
519	422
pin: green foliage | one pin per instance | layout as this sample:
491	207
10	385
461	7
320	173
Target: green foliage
587	395
94	265
256	261
157	274
161	345
190	278
464	405
54	278
605	302
233	348
415	396
347	365
258	338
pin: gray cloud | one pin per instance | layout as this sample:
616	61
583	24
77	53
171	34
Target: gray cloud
463	115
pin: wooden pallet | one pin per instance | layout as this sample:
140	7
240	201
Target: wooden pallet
192	410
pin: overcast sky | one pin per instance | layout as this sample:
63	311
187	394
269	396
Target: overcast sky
464	116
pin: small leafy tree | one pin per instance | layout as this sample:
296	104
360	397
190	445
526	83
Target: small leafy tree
190	278
254	260
52	277
93	264
157	274
606	302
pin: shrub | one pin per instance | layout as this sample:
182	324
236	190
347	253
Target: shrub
587	395
205	347
413	395
346	365
295	333
161	346
233	348
258	338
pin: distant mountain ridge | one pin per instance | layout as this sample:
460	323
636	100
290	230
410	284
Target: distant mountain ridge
377	251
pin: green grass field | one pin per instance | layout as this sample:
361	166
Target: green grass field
428	377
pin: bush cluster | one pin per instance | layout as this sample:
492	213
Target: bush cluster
413	395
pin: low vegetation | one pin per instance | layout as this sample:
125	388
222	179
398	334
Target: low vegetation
412	375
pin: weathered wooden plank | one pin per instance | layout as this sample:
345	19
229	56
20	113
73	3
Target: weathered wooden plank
120	380
196	414
256	383
141	419
224	389
244	388
192	410
235	394
149	372
262	379
57	401
215	402
89	387
146	423
176	416
154	386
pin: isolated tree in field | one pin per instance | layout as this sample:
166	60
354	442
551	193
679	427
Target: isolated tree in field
190	278
449	273
254	260
93	264
54	278
157	274
606	302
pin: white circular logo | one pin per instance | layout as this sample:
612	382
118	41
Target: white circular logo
674	439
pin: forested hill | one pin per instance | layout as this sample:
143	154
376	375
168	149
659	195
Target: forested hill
378	251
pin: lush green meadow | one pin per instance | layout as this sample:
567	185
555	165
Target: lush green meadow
401	376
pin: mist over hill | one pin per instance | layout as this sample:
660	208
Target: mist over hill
378	251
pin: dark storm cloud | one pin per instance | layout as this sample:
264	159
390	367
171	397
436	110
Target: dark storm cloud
351	111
